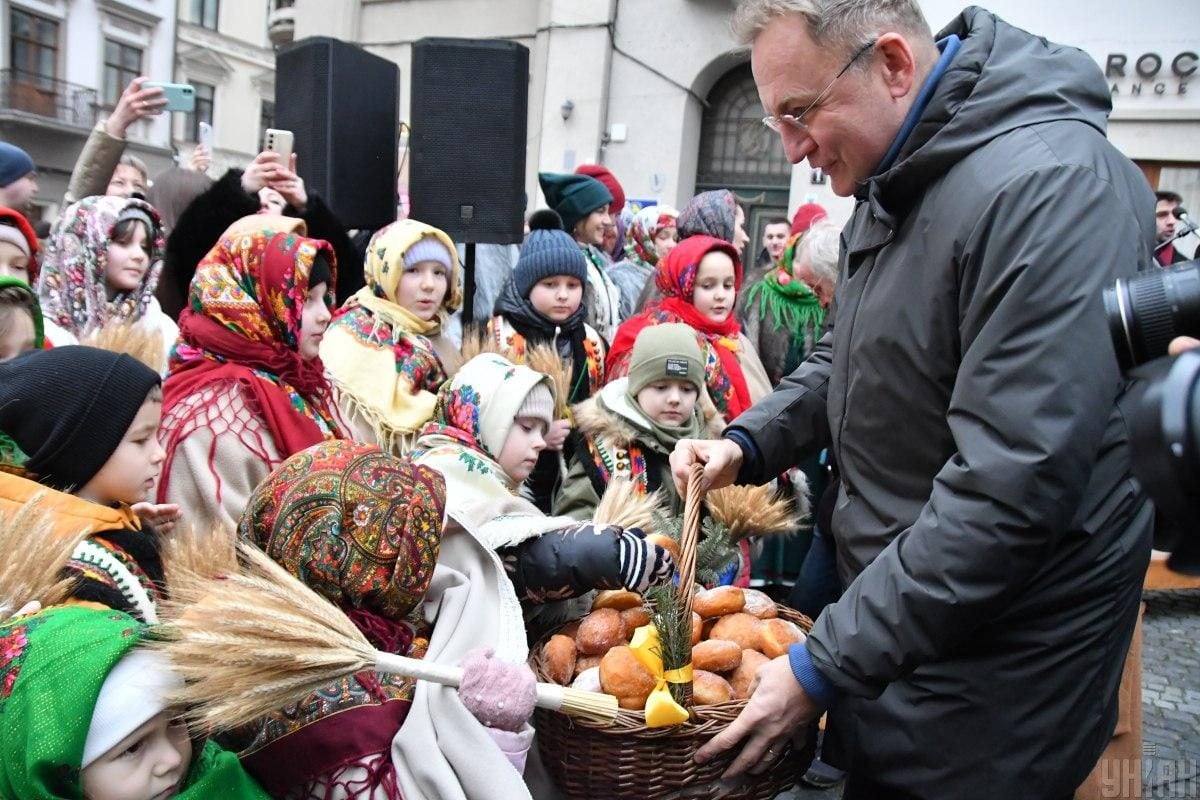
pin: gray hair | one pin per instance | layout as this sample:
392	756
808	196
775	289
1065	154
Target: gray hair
821	243
130	160
846	24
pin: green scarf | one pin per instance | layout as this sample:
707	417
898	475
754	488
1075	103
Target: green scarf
52	667
791	304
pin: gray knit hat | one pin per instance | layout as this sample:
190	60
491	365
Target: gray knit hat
539	404
665	352
428	248
548	251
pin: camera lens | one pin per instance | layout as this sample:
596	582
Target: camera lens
1147	311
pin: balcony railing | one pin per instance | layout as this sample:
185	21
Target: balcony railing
47	97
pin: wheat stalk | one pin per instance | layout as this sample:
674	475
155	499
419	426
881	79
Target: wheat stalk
752	511
210	551
477	342
140	341
34	557
255	640
545	359
624	507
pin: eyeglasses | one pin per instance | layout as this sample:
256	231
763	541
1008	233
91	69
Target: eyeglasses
777	123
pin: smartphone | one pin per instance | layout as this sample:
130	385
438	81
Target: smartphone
179	96
278	141
206	136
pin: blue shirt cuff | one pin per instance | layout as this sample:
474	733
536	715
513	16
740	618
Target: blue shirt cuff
812	679
750	455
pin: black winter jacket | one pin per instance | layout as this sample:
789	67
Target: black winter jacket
207	217
990	534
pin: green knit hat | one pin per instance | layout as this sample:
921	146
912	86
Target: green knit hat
573	197
665	352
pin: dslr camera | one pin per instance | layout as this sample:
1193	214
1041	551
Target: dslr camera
1145	313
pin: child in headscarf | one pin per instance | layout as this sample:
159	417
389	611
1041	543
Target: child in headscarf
651	235
246	386
364	529
717	214
582	203
386	350
543	305
18	247
782	313
20	319
101	267
86	420
485	438
630	428
86	716
699	281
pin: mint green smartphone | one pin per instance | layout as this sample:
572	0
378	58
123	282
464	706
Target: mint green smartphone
179	96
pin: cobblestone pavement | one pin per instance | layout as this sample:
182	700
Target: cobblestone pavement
1170	699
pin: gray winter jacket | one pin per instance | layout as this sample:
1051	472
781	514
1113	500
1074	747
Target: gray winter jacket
989	532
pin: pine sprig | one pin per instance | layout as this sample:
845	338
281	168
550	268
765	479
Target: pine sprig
674	633
716	551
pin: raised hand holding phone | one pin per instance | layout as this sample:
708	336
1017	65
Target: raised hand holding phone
137	101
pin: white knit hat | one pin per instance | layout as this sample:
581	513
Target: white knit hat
134	692
539	404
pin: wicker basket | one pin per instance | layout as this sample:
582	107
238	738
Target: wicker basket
625	760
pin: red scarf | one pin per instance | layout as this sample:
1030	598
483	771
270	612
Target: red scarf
676	279
243	320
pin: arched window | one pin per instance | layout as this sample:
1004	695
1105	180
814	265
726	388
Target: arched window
736	149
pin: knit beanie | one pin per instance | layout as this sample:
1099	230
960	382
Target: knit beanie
10	234
548	251
13	220
134	692
806	215
69	407
610	182
539	404
15	164
573	197
428	248
666	352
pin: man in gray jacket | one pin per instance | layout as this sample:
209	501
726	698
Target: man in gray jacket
989	534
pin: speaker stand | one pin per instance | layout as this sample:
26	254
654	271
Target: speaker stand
468	315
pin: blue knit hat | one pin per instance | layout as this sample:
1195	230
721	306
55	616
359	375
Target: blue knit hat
573	197
15	164
428	248
548	251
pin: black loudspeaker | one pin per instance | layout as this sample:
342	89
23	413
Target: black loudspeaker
467	146
343	105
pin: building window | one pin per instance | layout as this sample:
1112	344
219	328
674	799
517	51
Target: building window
122	63
204	109
266	119
204	13
34	49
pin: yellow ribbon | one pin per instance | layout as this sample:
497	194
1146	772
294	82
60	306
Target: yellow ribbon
661	708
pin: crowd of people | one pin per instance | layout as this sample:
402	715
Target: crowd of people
183	354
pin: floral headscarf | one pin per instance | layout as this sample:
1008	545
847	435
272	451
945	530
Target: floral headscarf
357	525
379	353
242	326
709	214
52	667
72	285
646	225
792	305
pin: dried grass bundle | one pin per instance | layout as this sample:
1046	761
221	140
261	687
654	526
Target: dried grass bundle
624	507
752	511
477	342
33	573
545	359
140	341
210	551
257	639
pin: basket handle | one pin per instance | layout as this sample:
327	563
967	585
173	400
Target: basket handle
693	501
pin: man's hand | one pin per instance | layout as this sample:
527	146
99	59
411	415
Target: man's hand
778	705
134	104
556	434
722	459
1181	344
162	516
291	186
